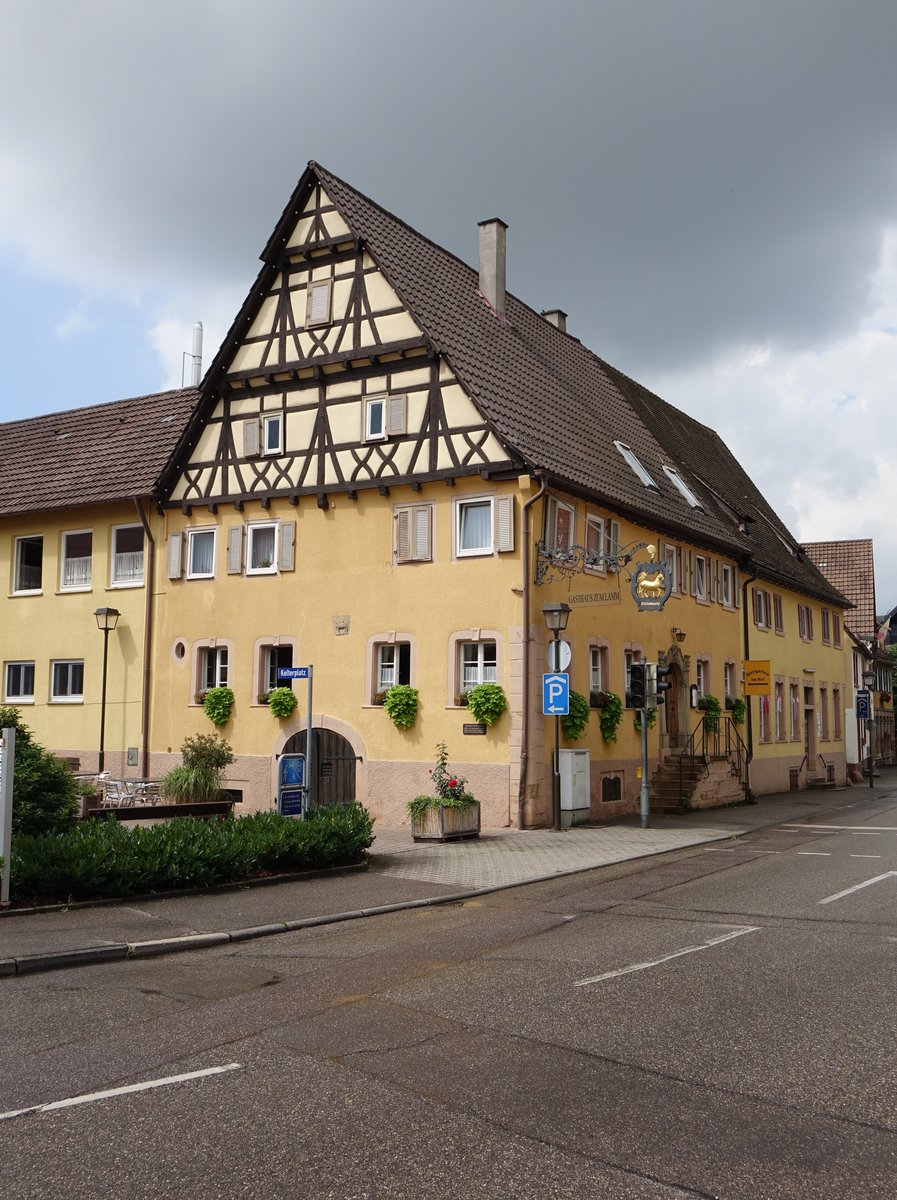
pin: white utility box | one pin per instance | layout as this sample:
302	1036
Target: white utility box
575	787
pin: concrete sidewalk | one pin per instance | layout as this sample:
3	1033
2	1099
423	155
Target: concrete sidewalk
400	874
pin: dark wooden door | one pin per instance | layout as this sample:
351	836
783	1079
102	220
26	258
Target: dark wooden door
333	765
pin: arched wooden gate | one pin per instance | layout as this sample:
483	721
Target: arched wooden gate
333	764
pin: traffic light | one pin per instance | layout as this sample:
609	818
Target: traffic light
661	682
637	680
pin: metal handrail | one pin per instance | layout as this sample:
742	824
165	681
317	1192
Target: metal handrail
713	737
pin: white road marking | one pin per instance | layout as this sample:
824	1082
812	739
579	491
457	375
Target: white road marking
849	828
865	856
120	1091
857	887
740	931
815	853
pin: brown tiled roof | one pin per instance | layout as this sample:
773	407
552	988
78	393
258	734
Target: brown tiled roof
562	408
95	455
554	404
850	567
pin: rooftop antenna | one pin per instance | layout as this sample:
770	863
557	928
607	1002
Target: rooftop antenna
195	358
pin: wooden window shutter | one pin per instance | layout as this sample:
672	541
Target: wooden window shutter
421	549
736	588
504	523
175	557
551	524
693	575
403	535
713	580
287	552
251	436
235	550
318	309
396	417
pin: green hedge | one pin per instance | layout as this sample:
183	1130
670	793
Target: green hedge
105	860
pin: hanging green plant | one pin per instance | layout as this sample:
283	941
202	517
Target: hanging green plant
610	713
738	711
486	702
574	724
282	701
711	709
400	703
649	724
218	704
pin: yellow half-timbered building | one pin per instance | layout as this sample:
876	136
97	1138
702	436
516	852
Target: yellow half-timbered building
392	466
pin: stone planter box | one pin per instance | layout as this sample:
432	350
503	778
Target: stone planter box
446	824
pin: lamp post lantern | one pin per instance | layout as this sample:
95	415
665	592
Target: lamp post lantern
107	619
556	616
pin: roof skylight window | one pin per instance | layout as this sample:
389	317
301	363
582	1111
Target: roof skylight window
683	487
629	454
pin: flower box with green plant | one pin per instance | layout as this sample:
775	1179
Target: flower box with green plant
451	811
738	709
218	704
487	702
282	701
401	703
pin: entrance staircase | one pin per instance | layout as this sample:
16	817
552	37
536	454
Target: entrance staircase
710	772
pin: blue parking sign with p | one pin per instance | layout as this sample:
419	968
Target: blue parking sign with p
556	694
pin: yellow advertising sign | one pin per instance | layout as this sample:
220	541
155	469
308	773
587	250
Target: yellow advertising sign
757	677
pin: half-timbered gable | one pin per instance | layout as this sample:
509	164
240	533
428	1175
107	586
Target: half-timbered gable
327	381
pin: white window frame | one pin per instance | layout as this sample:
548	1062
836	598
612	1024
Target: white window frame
18	566
780	724
460	507
192	536
374	404
272	421
66	697
702	672
700	580
682	487
727	586
115	555
729	680
388	665
22	696
83	579
317	310
216	657
805	622
270	653
483	666
631	458
253	528
598	669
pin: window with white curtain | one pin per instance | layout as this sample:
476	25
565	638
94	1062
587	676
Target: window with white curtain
200	553
474	527
478	664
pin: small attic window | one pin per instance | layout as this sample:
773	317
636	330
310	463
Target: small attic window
630	456
673	475
318	307
786	544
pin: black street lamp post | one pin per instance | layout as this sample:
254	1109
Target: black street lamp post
556	618
107	619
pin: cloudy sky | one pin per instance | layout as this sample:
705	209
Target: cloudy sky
707	187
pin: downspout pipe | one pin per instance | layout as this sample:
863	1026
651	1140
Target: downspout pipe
746	630
149	583
527	649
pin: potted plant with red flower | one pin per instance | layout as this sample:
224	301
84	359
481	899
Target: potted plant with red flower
451	812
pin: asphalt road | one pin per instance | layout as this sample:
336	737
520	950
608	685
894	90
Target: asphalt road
719	1022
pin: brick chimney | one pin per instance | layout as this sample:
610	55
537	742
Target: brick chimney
493	257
